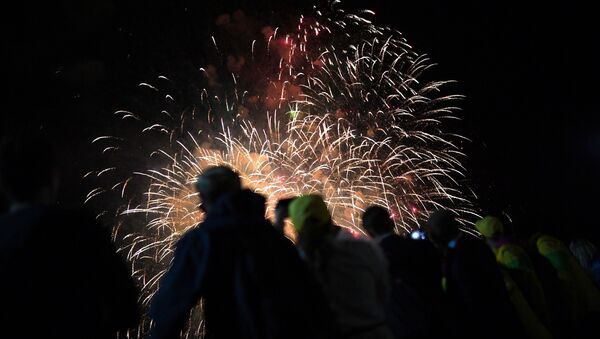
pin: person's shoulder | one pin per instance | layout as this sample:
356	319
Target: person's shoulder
346	240
193	234
394	244
394	240
345	234
356	244
203	236
423	247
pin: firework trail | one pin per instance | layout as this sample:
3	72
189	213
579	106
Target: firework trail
334	107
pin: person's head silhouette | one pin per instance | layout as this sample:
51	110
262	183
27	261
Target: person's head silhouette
214	182
441	228
376	221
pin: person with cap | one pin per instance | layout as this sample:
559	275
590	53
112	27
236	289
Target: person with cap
252	281
478	303
522	284
351	270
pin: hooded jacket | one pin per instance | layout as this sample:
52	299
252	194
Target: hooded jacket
253	282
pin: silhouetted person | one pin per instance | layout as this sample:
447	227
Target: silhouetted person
588	256
580	304
561	323
250	277
415	271
59	274
522	283
473	283
352	271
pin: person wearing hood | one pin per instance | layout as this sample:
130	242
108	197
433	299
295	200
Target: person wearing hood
351	269
251	279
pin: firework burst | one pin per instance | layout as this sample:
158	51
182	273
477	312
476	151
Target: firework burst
334	107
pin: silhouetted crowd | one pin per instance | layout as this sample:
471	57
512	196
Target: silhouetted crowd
60	276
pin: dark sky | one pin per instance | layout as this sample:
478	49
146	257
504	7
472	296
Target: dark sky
528	72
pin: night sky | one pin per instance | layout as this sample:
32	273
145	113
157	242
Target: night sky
528	73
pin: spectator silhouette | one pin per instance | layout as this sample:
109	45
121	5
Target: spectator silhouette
588	257
561	320
580	299
473	283
250	277
415	271
352	271
523	286
60	275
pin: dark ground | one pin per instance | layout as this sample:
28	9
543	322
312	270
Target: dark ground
529	74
